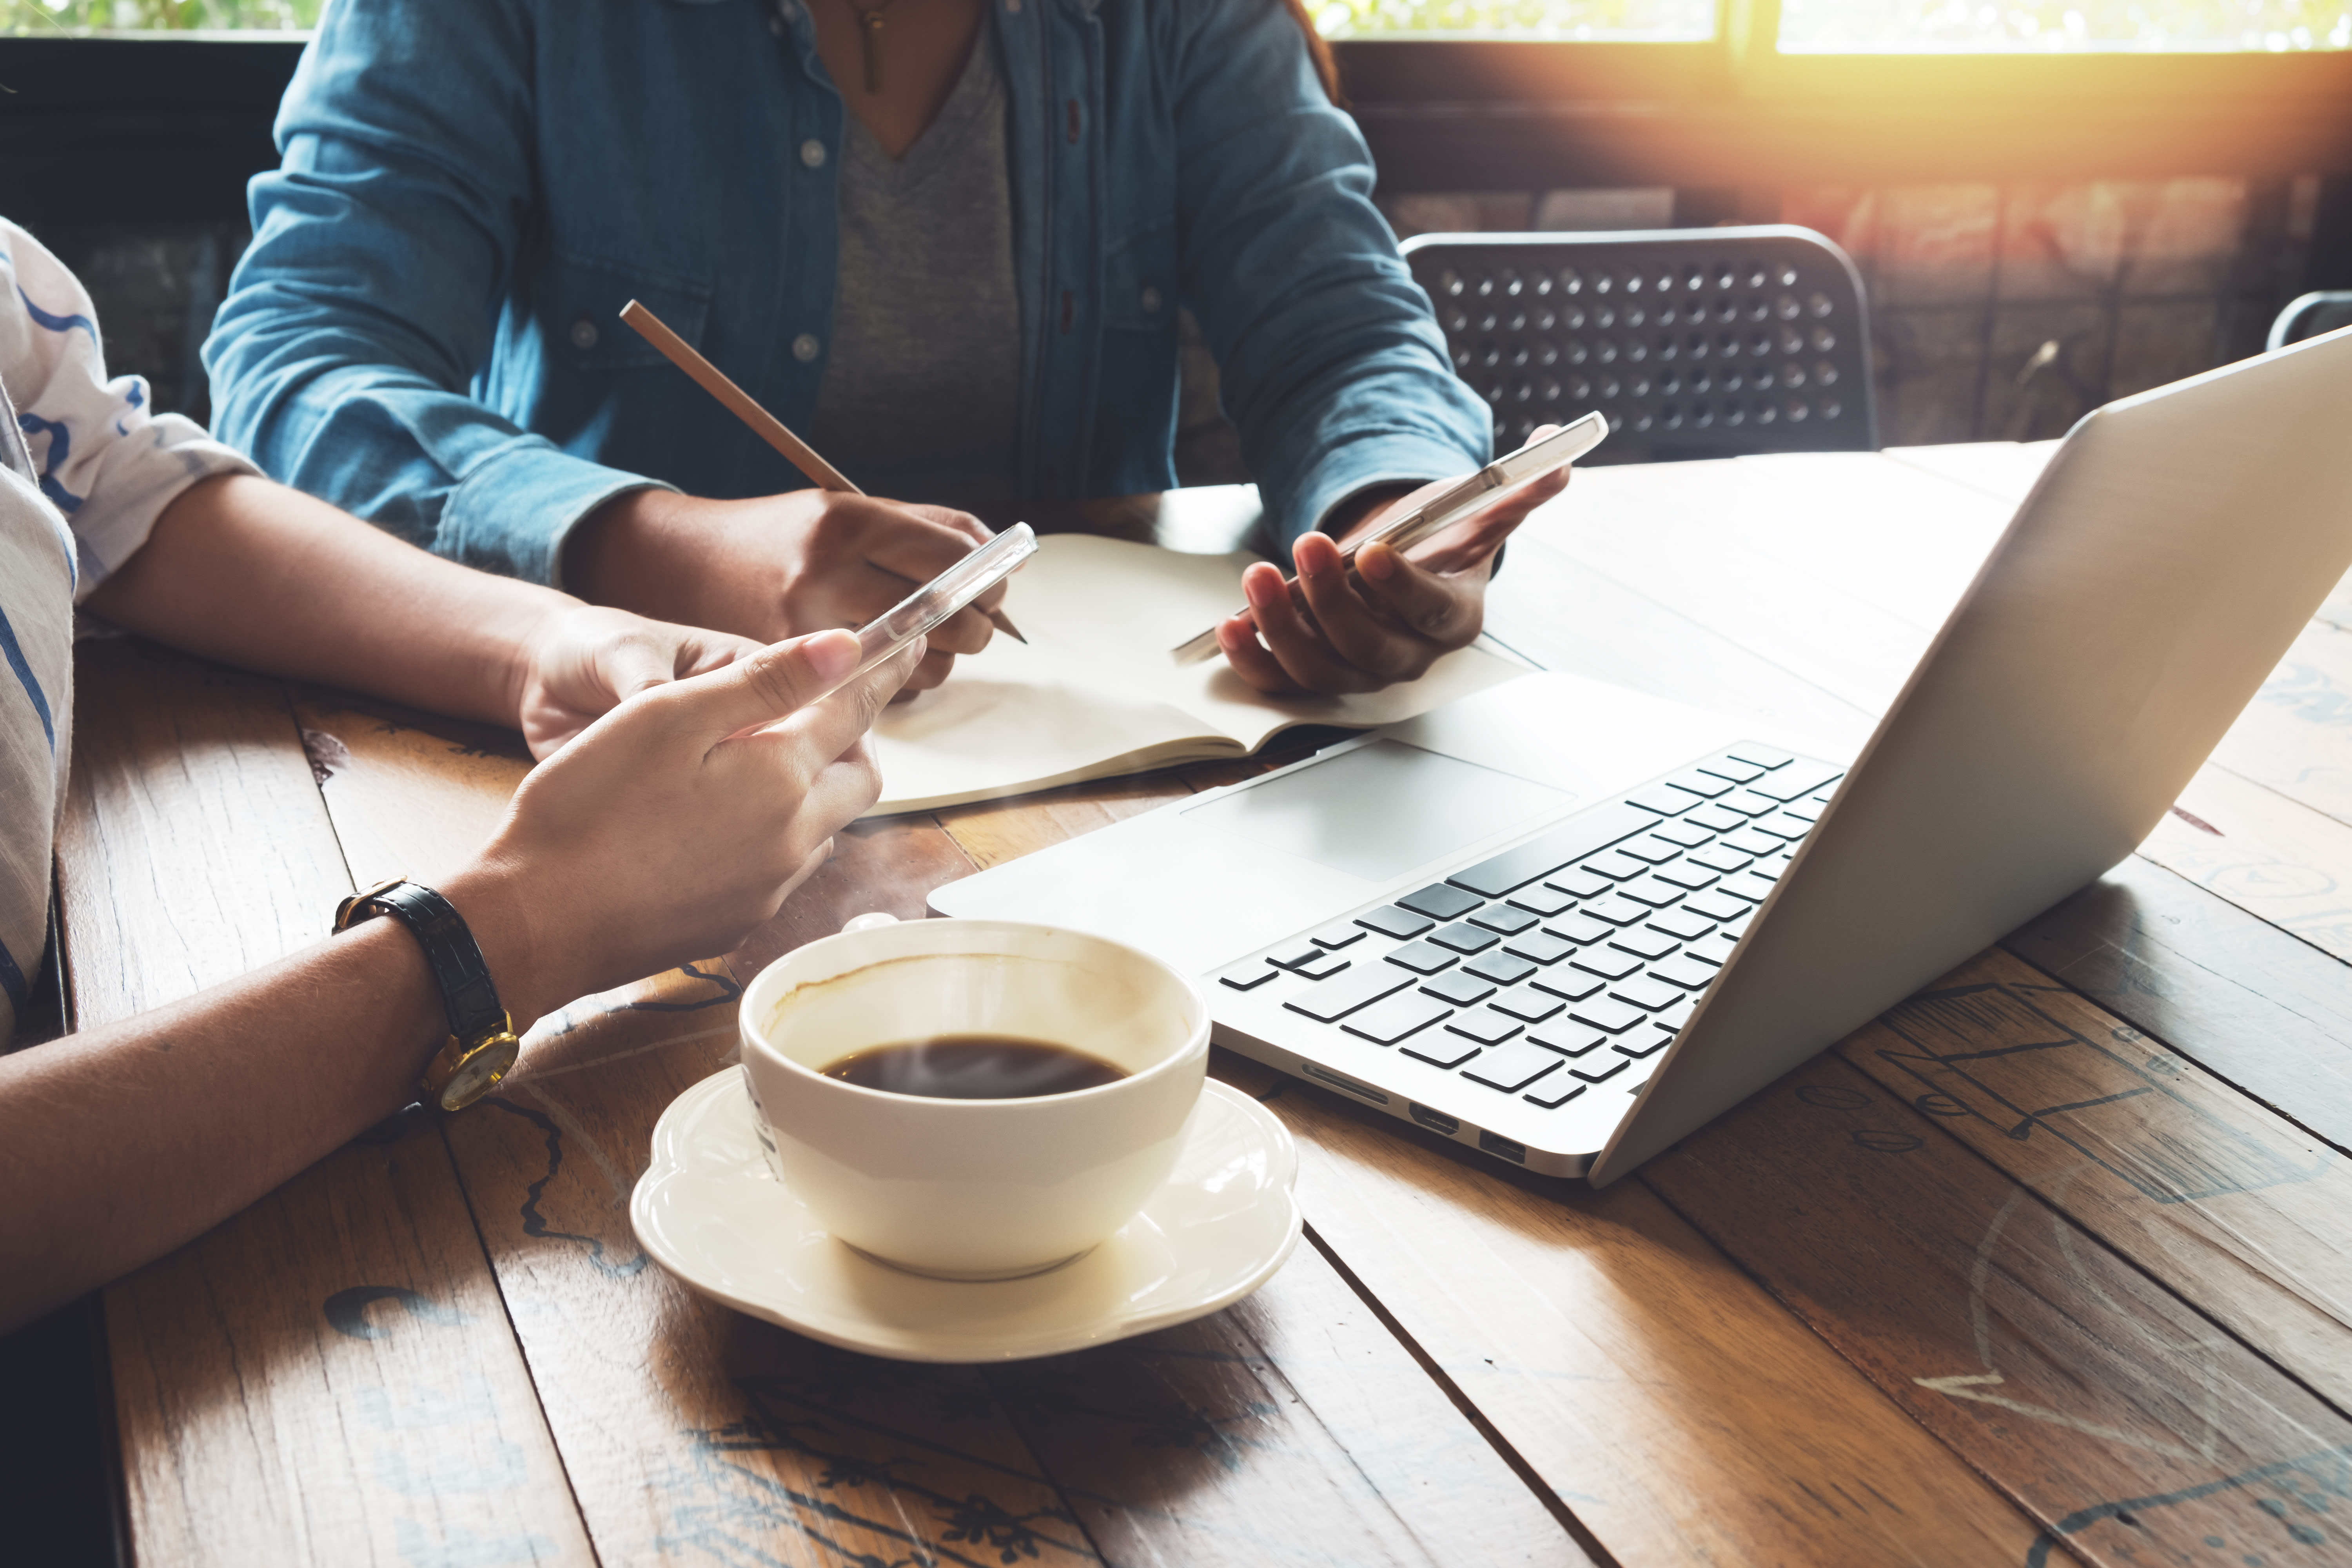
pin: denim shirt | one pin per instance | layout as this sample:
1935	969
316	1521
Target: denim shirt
423	329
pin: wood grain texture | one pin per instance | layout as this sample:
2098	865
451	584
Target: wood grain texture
442	783
1679	1411
687	1426
2237	1211
2270	856
689	1429
1782	1345
2295	736
194	846
330	1377
1658	1497
1291	1426
2131	1426
2250	1004
886	864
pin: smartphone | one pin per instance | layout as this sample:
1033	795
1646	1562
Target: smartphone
1471	492
1474	492
943	595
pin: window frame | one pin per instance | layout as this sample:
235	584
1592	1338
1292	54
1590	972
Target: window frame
171	127
1736	112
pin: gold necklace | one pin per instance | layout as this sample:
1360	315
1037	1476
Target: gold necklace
869	37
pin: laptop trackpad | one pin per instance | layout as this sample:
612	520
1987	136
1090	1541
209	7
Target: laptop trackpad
1379	809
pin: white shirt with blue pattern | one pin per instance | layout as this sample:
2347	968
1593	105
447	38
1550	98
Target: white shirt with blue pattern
86	467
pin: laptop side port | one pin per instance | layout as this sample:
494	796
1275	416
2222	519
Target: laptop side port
1437	1120
1326	1075
1503	1146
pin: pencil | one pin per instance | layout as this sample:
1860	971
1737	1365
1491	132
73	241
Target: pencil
766	426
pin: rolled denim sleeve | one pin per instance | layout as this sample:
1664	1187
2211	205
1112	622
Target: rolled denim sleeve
344	357
1329	357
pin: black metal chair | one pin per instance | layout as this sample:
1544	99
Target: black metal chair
2310	316
1695	342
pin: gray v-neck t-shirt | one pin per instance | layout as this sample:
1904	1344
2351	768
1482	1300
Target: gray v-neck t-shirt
922	395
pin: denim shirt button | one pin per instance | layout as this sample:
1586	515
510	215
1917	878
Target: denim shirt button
804	348
583	334
813	153
1150	300
776	26
1013	6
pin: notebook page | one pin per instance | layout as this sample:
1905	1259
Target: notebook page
1124	606
1011	718
1094	693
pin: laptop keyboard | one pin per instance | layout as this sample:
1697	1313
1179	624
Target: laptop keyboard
1570	959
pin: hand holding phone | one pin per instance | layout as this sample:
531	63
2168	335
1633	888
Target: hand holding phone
1472	493
942	597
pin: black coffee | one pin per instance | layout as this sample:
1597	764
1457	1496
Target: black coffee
974	1066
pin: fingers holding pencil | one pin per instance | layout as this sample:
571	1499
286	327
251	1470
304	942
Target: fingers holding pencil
799	453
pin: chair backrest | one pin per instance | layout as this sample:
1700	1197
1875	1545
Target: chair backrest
2309	316
1695	342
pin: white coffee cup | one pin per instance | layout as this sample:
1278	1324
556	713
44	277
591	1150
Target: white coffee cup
971	1189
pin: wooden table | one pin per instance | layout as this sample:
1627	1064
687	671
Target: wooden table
2048	1263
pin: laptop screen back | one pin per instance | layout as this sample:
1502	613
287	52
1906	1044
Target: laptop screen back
2172	552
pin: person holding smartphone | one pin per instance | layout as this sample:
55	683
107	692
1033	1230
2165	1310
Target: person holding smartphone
692	780
945	240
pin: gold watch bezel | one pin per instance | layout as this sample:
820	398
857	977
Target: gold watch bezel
460	1074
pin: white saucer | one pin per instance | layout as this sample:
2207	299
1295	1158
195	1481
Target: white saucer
708	1210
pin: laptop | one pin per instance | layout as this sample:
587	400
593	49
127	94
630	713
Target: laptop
1565	924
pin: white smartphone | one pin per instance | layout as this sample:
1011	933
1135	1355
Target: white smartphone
1471	493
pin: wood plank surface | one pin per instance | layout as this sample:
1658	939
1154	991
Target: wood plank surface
1627	1410
1795	591
2234	1208
2050	1263
1253	1436
1287	1429
2250	1004
328	1377
1564	616
1306	1434
1757	555
1678	1410
2004	470
444	782
2270	856
194	846
2295	737
2132	1427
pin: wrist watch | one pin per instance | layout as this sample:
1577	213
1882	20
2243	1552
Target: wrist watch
481	1045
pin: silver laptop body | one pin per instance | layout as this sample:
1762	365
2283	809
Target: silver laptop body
2171	552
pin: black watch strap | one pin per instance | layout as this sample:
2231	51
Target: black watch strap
481	1045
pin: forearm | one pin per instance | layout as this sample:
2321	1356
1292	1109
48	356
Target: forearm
120	1144
252	574
637	552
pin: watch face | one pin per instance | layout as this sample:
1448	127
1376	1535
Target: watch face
480	1072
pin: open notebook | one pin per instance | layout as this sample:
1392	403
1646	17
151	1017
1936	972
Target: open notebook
1095	694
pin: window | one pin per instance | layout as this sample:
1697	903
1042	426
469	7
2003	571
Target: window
2053	26
34	18
1873	26
1574	21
